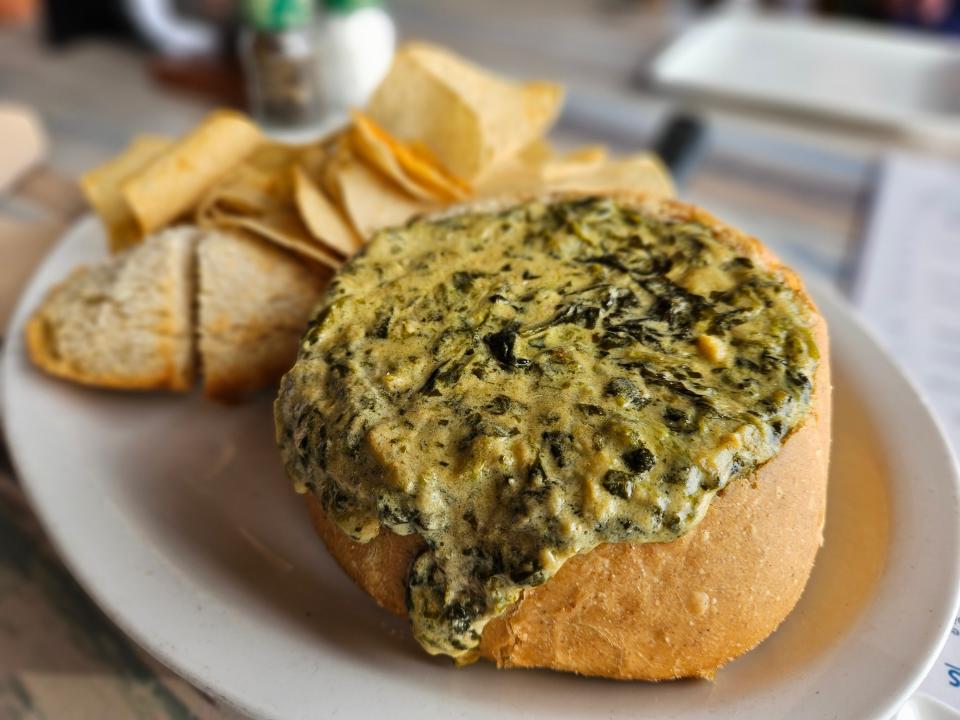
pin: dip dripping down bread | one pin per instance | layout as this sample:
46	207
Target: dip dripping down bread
574	432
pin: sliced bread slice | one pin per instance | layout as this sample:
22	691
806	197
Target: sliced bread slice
254	303
125	323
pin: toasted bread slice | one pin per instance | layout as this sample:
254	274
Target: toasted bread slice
254	303
124	323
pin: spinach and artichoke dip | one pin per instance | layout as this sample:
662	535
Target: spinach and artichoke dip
520	386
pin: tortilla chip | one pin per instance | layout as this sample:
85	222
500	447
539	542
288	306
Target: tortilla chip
643	171
174	182
246	200
313	157
371	202
575	162
468	118
350	183
537	153
258	184
411	166
379	155
273	157
283	229
102	188
536	167
258	196
324	221
339	155
582	170
513	176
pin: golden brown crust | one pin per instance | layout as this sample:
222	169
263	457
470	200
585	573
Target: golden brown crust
238	386
660	610
254	302
40	349
124	323
379	567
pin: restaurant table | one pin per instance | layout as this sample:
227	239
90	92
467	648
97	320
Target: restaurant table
800	187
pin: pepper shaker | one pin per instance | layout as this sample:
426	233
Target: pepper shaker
278	51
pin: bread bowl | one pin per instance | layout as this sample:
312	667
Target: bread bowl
654	581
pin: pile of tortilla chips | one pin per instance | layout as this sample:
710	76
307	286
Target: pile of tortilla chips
438	130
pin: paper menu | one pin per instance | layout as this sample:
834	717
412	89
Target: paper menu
943	682
907	284
907	287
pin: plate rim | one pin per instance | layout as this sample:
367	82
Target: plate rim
88	223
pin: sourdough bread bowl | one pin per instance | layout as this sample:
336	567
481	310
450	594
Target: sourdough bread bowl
725	552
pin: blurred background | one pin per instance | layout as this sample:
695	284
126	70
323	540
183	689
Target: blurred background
830	129
799	100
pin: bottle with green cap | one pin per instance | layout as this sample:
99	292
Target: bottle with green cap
355	45
278	50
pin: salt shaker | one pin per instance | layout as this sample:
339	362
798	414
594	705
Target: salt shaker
356	40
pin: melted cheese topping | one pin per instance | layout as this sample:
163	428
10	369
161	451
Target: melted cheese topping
520	386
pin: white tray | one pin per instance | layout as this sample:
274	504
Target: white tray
866	74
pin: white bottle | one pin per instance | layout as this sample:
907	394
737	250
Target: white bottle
355	45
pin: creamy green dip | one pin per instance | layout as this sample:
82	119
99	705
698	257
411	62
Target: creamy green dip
520	386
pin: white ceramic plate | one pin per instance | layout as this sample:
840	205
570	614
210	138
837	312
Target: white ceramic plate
175	515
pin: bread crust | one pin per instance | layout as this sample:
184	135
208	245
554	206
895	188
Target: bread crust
656	611
37	332
254	302
152	284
